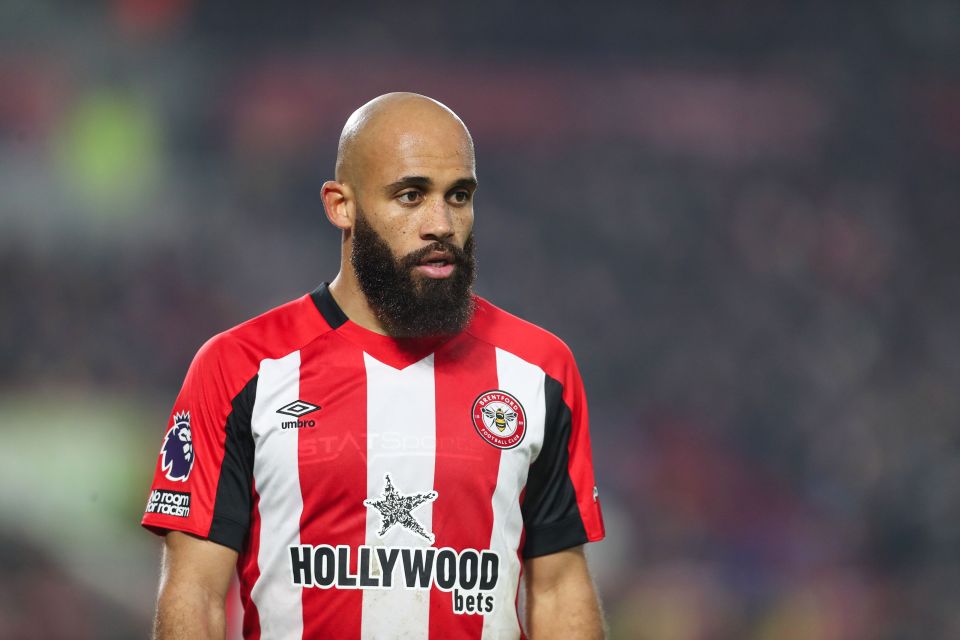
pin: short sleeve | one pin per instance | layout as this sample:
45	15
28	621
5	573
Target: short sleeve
203	474
561	507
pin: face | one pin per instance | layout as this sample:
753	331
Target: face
417	187
407	302
411	244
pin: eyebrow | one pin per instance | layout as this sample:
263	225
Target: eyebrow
425	182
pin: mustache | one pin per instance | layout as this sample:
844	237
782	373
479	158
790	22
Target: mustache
458	256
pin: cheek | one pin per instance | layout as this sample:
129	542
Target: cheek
402	231
463	223
462	219
401	234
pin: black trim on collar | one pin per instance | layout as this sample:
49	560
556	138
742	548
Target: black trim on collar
327	306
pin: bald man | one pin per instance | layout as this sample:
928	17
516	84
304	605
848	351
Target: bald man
385	456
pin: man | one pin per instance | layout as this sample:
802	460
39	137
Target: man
384	457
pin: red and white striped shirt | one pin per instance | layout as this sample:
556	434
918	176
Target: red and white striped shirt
376	487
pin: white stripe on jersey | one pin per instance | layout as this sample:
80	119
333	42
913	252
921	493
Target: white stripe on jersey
525	382
402	442
277	478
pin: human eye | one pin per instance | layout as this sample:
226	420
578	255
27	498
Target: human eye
460	196
409	197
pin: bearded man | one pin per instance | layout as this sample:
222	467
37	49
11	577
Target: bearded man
385	456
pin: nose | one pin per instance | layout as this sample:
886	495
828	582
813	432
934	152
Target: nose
437	223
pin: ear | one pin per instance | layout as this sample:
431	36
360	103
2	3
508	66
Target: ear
338	203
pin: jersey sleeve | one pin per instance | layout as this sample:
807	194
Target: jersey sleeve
203	474
561	507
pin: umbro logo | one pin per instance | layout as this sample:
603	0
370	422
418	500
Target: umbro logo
298	408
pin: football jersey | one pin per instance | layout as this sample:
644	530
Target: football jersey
377	487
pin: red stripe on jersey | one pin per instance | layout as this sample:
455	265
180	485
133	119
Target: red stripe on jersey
219	371
463	511
249	572
536	345
333	475
579	462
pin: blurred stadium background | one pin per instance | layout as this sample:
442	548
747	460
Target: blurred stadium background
741	216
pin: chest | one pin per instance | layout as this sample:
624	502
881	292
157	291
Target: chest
457	423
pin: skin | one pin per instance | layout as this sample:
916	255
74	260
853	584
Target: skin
561	598
408	162
195	575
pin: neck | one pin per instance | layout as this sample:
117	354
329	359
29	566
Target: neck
345	289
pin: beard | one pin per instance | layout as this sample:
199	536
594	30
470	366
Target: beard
406	305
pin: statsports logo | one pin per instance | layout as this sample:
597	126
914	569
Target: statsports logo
177	452
499	419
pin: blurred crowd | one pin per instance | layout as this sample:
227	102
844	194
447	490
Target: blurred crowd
742	219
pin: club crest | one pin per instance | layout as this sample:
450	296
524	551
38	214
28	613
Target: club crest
177	452
499	418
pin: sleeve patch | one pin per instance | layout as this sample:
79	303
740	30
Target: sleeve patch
177	451
169	503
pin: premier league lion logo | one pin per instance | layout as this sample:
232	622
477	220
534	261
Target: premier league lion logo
177	448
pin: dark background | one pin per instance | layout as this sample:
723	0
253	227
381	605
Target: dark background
741	216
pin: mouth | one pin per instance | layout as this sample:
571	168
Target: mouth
437	264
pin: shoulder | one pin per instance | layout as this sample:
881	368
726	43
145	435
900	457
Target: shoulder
237	352
521	338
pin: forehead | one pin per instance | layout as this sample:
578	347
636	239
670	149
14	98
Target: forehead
441	152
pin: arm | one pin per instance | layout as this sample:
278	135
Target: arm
561	599
194	579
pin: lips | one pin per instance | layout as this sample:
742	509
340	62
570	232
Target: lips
436	264
437	258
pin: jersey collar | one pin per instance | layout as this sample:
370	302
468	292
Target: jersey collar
399	353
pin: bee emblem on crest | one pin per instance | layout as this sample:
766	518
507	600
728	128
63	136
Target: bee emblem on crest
501	418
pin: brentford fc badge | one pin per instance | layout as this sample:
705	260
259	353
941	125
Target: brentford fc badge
499	419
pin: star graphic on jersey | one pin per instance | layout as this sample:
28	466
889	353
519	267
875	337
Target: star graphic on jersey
395	509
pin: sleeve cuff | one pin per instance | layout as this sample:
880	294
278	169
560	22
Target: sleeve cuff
222	531
553	537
